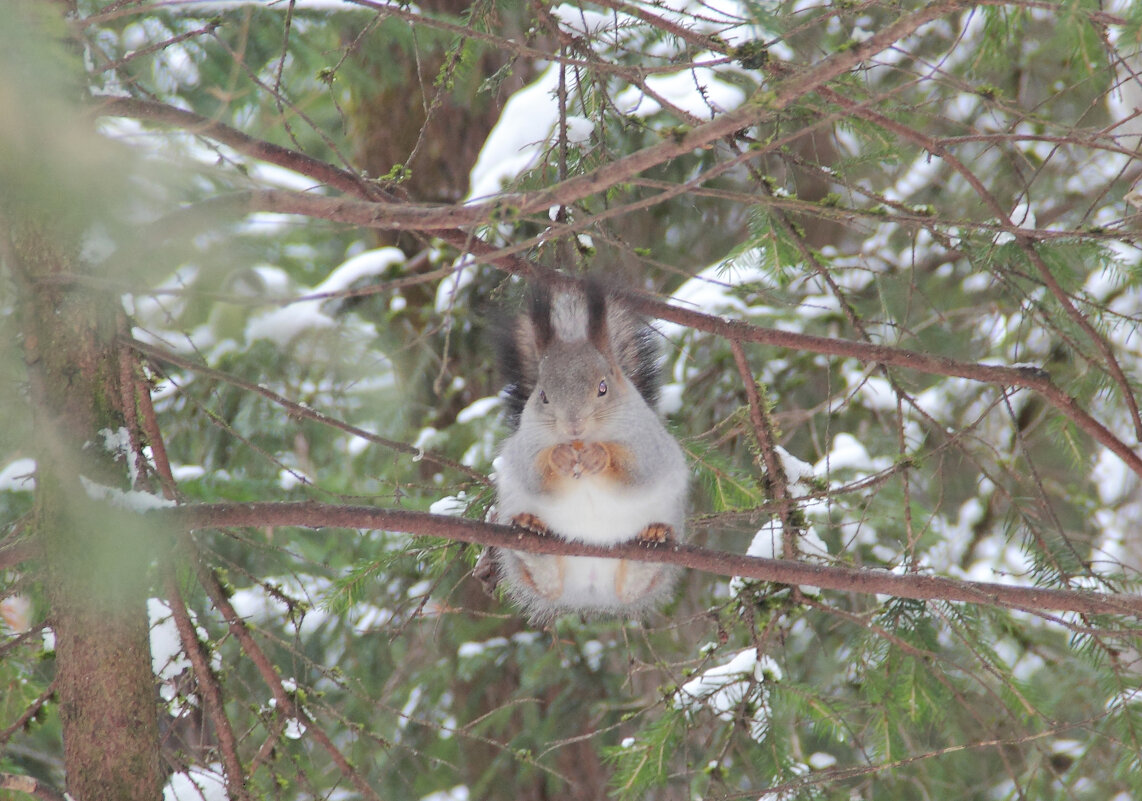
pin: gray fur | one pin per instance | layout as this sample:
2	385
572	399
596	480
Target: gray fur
575	359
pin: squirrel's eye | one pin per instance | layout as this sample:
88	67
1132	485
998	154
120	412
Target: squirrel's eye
602	387
542	396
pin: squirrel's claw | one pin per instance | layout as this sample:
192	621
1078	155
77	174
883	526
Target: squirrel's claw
527	520
655	533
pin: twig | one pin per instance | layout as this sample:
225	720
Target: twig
210	689
31	786
285	703
29	713
776	481
1025	243
300	411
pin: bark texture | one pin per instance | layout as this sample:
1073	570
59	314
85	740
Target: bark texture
94	559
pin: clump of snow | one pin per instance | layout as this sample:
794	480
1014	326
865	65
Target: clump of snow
18	476
724	688
449	290
425	438
284	324
797	471
187	472
670	398
1021	217
998	561
767	544
168	660
518	138
699	92
954	538
275	175
355	445
593	651
290	478
468	650
1130	696
921	174
452	505
197	784
1023	662
117	442
873	391
712	291
848	453
479	409
130	500
821	761
294	728
457	793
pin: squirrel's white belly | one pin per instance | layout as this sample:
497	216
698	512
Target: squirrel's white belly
598	513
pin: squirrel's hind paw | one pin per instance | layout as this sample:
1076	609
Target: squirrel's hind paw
532	523
656	533
487	570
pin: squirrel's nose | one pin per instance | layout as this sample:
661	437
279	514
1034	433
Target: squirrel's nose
574	427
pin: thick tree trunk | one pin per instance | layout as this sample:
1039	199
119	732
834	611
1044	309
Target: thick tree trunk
57	179
95	558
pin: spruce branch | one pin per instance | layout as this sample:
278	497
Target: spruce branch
865	581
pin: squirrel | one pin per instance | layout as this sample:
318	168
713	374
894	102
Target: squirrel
589	460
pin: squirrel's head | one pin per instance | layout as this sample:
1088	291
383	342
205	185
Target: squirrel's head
579	385
578	390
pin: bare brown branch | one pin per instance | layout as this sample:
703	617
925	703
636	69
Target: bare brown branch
846	579
776	482
285	702
211	690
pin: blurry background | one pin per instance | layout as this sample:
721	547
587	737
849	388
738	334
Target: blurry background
879	208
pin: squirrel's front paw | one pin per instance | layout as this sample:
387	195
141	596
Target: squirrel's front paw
532	523
577	458
565	459
656	533
594	458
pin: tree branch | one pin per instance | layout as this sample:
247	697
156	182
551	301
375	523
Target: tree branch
30	786
776	483
210	689
377	205
299	411
1032	378
285	702
28	715
404	216
844	579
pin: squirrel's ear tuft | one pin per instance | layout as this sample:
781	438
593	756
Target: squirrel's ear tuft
520	341
540	314
597	330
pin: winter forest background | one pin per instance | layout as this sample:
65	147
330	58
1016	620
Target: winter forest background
249	252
